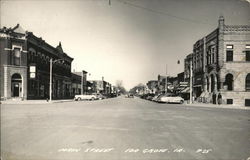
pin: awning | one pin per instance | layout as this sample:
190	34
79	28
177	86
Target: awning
204	94
198	85
186	90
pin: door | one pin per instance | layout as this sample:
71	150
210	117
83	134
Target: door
16	89
16	85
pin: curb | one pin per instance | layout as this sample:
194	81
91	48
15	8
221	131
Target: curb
217	106
34	102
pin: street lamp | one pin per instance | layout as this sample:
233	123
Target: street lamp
166	80
191	84
50	79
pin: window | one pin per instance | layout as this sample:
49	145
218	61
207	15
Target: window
17	56
247	82
248	55
229	56
229	53
247	102
229	101
229	82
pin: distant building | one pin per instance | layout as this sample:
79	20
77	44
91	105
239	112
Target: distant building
76	81
161	84
187	62
99	86
83	81
221	62
180	77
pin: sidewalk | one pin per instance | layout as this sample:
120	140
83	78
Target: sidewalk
11	101
197	104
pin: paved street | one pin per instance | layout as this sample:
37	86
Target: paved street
123	128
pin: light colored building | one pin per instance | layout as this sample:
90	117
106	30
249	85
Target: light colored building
221	65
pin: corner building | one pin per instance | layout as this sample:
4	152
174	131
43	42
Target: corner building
13	52
221	64
25	66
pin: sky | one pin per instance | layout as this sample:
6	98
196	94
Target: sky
128	40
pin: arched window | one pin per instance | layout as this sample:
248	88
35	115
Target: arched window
248	82
229	81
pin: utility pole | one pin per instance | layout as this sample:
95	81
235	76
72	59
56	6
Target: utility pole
166	81
82	84
50	77
50	81
191	83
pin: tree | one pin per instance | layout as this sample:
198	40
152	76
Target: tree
120	87
140	88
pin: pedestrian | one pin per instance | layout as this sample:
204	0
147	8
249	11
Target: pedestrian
219	99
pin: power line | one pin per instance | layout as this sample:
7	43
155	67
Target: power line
161	12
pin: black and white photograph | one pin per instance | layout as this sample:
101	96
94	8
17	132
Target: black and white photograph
125	79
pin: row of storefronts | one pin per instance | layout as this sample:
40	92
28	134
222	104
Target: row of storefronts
26	62
220	68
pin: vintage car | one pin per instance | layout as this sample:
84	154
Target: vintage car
86	97
129	95
170	98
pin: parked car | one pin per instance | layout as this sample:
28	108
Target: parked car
85	97
150	96
129	95
100	96
156	97
170	98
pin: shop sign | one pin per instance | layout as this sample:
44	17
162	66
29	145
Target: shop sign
32	72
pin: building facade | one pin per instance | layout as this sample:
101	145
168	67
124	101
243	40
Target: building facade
14	70
221	62
76	81
187	62
39	56
25	66
82	76
99	86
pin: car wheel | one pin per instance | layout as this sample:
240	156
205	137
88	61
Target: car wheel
78	99
181	102
92	98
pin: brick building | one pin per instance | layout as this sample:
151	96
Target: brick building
99	86
81	80
187	62
76	81
221	62
13	49
25	66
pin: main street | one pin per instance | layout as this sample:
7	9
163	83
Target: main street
123	128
